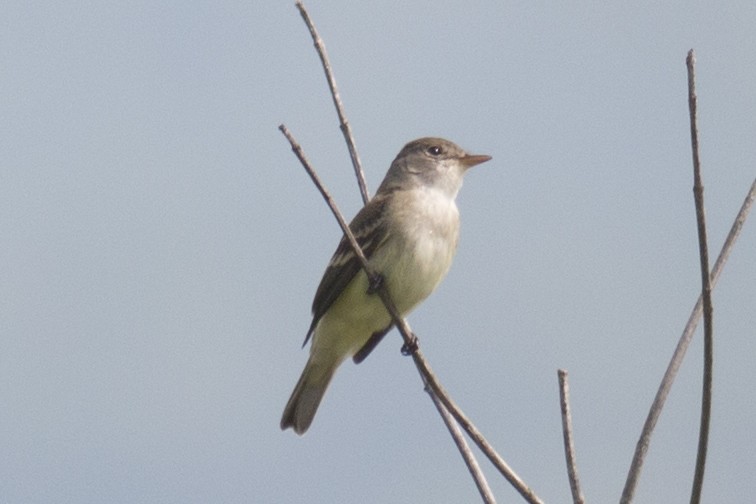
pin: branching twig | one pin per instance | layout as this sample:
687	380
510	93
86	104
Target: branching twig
464	449
655	410
569	445
410	340
641	447
346	130
703	434
473	432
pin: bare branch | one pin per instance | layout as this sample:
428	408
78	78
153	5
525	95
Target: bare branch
641	447
472	431
401	324
569	445
410	340
331	203
346	130
698	191
464	449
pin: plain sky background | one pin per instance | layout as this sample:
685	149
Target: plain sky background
160	246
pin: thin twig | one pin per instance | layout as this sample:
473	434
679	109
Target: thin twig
331	203
470	461
410	339
569	444
401	324
698	191
346	130
472	431
641	448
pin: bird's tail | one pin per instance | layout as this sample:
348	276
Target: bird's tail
304	401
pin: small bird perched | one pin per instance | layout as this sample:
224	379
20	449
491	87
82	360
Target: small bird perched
408	233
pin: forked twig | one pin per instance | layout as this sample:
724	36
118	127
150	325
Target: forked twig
665	386
641	447
472	431
698	190
470	461
569	444
346	130
410	340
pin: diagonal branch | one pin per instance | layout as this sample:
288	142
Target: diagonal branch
410	340
472	431
698	191
464	449
346	130
678	355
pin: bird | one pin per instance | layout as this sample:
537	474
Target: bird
409	233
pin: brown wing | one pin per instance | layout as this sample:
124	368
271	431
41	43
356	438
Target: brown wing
370	232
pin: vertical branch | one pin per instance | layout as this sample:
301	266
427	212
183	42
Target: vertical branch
641	447
569	444
346	130
703	434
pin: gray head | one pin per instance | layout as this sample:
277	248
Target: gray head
430	162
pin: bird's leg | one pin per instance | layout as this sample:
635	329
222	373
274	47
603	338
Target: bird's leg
375	281
411	347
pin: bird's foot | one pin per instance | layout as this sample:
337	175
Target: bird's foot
375	282
411	347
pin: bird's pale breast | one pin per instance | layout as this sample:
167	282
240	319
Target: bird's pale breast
428	231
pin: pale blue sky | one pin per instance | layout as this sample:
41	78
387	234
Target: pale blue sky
161	246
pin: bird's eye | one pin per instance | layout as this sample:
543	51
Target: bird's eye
435	150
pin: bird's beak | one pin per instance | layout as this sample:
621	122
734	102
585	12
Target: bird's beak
470	160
